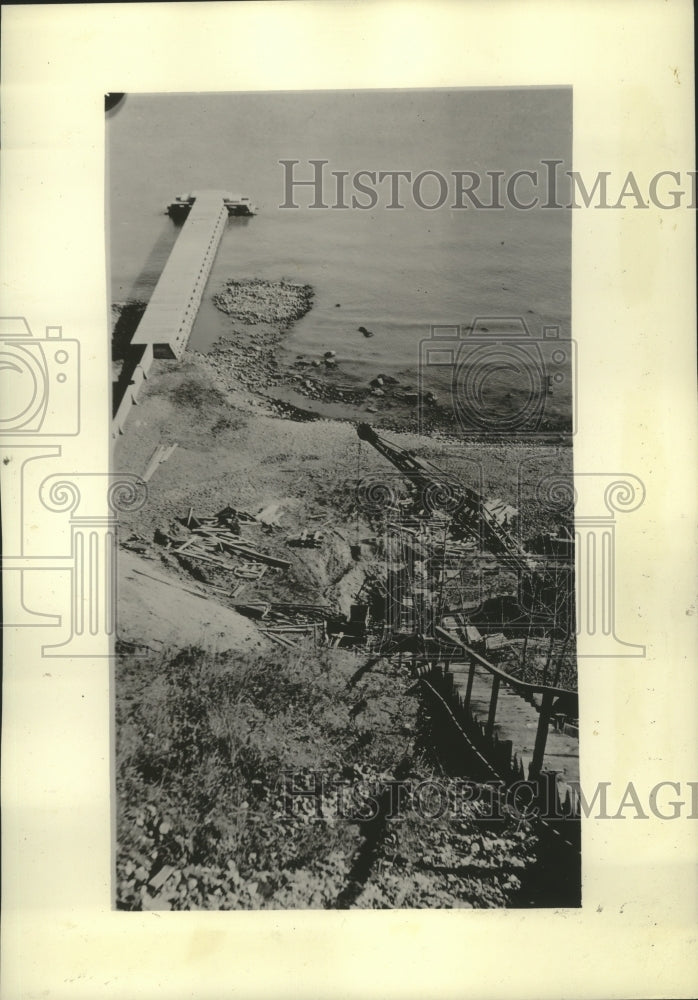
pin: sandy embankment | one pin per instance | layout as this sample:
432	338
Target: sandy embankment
234	450
160	612
237	446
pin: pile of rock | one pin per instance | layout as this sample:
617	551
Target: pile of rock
329	359
380	381
256	300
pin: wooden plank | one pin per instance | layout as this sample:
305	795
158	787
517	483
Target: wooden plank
489	728
469	688
279	639
246	551
541	736
254	572
171	583
152	464
184	545
194	554
290	628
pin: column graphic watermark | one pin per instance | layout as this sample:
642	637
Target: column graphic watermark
40	407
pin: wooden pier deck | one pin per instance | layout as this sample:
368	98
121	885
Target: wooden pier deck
169	317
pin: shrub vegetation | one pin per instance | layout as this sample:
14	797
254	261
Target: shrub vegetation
204	746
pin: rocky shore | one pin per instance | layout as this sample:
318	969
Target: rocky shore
262	311
256	300
308	386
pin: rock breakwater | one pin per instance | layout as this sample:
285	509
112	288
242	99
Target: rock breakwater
258	300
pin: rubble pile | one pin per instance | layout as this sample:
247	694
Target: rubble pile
214	539
257	300
282	623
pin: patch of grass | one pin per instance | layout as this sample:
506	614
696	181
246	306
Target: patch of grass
225	423
205	745
196	393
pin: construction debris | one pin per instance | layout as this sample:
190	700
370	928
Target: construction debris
134	543
270	515
286	617
214	539
279	639
306	539
495	642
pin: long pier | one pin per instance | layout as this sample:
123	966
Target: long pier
166	324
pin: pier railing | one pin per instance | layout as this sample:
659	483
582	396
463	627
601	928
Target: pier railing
547	692
134	383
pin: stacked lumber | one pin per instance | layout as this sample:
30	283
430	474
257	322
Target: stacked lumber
282	623
214	539
306	539
285	617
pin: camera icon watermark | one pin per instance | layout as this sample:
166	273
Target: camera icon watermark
40	403
39	381
501	379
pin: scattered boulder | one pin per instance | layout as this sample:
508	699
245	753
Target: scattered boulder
366	333
330	354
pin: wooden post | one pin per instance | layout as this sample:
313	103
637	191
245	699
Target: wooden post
505	749
550	804
489	728
469	688
541	736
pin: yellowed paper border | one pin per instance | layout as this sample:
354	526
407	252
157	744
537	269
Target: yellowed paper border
631	67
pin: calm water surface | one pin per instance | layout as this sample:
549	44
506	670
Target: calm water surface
393	271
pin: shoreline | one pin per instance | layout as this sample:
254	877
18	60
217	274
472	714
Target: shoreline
262	312
252	356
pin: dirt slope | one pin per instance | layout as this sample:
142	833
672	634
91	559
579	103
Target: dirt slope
158	612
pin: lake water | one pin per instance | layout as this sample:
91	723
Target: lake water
394	271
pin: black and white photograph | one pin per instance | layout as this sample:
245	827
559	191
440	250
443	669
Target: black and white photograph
347	459
343	366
